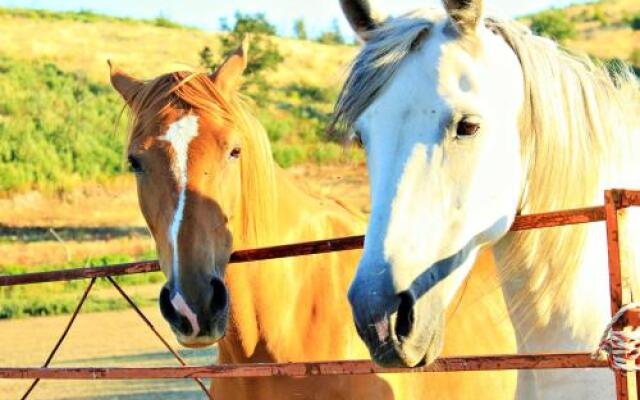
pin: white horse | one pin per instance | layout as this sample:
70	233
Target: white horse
468	121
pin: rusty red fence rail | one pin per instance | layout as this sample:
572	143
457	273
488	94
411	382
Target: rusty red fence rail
614	201
521	223
308	369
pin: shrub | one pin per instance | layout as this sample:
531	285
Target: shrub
634	59
553	24
288	155
600	16
311	93
333	36
277	127
164	22
327	153
634	22
300	29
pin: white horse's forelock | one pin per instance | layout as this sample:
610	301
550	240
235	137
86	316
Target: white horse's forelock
377	62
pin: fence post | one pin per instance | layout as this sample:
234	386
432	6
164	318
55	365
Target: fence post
612	201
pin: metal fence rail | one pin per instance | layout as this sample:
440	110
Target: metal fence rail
614	200
521	223
308	369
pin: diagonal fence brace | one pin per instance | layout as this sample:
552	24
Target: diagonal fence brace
62	337
155	332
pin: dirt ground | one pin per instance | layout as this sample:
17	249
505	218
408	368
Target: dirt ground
97	339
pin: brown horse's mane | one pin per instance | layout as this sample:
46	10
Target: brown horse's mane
188	92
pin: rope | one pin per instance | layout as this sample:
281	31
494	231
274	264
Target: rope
619	348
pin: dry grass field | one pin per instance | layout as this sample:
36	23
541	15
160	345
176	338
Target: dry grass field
147	51
615	38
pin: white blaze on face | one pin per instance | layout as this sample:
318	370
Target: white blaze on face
179	135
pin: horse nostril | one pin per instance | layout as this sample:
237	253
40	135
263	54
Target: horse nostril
167	310
219	297
175	319
405	317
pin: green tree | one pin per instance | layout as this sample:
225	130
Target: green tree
206	58
253	23
333	36
264	55
300	29
553	24
635	22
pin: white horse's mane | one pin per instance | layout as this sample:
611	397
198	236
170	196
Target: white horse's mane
579	129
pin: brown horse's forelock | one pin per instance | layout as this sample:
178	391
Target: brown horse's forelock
178	91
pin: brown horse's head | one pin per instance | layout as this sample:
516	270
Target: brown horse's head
188	140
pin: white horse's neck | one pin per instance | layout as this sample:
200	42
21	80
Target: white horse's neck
575	327
577	324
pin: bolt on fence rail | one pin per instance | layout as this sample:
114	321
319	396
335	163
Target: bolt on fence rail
614	201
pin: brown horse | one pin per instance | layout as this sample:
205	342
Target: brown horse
205	176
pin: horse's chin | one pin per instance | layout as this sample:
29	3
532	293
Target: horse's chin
411	352
434	350
197	342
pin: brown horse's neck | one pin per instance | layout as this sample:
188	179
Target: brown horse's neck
273	302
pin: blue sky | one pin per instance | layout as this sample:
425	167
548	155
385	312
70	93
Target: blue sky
318	14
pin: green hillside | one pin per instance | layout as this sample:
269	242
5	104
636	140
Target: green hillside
58	115
56	127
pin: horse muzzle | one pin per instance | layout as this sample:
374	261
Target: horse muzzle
196	323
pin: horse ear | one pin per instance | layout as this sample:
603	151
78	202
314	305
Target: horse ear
465	14
362	16
229	73
124	83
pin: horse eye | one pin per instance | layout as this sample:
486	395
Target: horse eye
235	153
134	165
467	128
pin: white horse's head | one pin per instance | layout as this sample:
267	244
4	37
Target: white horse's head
435	100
